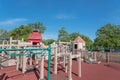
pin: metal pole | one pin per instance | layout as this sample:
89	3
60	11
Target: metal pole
49	59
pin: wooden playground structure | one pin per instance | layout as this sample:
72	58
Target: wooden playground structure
25	57
24	54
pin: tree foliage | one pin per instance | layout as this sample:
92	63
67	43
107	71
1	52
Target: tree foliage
38	25
48	41
88	41
108	36
63	35
21	32
4	34
74	35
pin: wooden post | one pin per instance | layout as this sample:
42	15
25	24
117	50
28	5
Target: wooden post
55	61
59	49
36	60
70	67
30	59
10	42
17	65
64	61
79	65
18	61
95	58
3	46
23	64
7	44
66	65
42	68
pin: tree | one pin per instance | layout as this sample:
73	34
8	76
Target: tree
21	32
38	25
108	36
63	35
4	34
48	41
74	35
88	41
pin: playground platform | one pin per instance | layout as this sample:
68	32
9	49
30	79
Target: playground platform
103	71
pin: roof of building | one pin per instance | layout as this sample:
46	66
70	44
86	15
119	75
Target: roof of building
35	35
79	39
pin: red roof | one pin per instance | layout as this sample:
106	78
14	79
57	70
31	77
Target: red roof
35	35
79	39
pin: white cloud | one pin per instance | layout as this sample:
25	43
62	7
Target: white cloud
12	21
65	16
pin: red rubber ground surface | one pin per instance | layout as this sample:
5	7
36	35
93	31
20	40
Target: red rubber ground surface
101	71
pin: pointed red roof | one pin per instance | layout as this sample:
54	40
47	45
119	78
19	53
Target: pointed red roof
79	39
35	36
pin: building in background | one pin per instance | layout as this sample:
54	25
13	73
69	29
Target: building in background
78	44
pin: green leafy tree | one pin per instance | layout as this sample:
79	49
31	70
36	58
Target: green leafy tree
88	41
21	32
4	34
63	35
48	41
38	25
74	35
108	36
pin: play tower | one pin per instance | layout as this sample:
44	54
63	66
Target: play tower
35	37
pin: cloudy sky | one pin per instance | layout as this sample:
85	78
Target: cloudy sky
83	16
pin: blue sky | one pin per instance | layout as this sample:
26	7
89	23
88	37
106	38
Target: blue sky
83	16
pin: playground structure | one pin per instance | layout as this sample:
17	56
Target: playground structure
23	52
26	57
35	37
78	44
62	51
